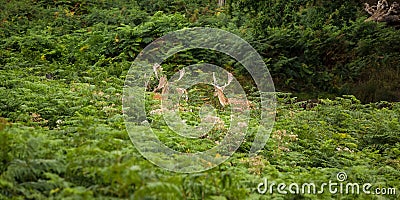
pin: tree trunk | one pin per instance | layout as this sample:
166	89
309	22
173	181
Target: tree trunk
221	3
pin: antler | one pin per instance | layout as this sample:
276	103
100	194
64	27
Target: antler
370	9
182	91
181	74
394	8
157	70
162	79
382	12
219	91
230	78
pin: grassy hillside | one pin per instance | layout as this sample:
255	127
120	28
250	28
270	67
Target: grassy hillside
62	70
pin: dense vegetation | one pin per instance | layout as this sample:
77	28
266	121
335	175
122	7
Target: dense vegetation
63	65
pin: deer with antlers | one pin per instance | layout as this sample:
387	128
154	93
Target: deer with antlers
218	90
223	100
163	81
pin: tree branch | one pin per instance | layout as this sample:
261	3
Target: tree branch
382	12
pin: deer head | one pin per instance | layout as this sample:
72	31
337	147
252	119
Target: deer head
219	90
223	100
